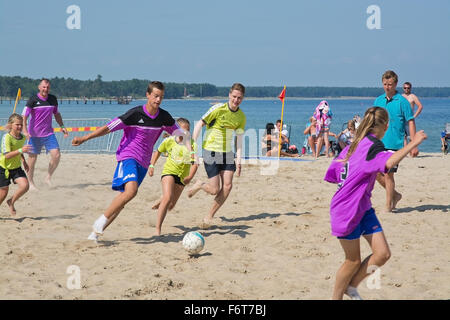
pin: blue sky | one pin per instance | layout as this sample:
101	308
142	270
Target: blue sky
258	43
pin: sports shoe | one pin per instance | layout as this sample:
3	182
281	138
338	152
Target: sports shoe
93	237
98	229
353	293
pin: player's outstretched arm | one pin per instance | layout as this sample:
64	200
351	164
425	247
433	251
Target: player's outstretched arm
400	154
97	133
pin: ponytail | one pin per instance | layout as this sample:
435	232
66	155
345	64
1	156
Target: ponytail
374	118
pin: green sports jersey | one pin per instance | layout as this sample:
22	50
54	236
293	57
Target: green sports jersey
9	143
221	122
179	159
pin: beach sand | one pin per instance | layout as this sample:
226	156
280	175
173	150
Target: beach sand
272	239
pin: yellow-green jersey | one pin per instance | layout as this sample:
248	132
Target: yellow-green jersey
179	158
9	143
221	121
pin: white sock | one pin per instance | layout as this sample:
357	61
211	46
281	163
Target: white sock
353	293
101	221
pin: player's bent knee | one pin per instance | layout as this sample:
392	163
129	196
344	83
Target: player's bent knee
354	264
130	192
56	155
383	257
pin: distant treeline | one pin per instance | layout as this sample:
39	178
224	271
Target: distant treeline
68	87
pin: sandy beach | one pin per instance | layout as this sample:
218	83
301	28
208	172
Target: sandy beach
271	239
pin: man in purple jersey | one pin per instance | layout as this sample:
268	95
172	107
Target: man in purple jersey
142	127
40	109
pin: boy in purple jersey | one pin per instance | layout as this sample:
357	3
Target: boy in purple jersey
142	127
351	213
40	110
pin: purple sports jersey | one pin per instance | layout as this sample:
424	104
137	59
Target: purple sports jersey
140	132
40	112
355	180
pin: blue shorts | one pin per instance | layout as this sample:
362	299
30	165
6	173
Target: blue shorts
126	171
369	224
49	142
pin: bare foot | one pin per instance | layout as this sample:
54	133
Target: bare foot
206	223
397	198
195	188
387	210
11	207
48	182
33	187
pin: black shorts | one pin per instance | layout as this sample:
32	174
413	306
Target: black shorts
394	168
177	179
406	130
218	161
13	175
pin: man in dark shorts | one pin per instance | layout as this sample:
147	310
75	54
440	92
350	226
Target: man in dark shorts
400	114
221	121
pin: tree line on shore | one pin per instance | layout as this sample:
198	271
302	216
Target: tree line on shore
68	87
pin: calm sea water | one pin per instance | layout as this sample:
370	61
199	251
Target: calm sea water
435	114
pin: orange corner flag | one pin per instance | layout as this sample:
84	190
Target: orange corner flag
282	94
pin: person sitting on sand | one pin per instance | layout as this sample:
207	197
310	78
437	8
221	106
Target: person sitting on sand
270	144
347	135
13	146
284	135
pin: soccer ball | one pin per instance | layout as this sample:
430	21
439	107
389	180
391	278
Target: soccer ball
193	242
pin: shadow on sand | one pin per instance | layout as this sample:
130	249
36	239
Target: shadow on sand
82	185
423	208
239	230
21	219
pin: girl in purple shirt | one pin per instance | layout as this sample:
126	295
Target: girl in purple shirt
351	212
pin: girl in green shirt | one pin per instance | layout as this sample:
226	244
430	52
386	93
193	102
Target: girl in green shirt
12	148
178	171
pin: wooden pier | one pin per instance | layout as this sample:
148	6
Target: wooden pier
113	100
